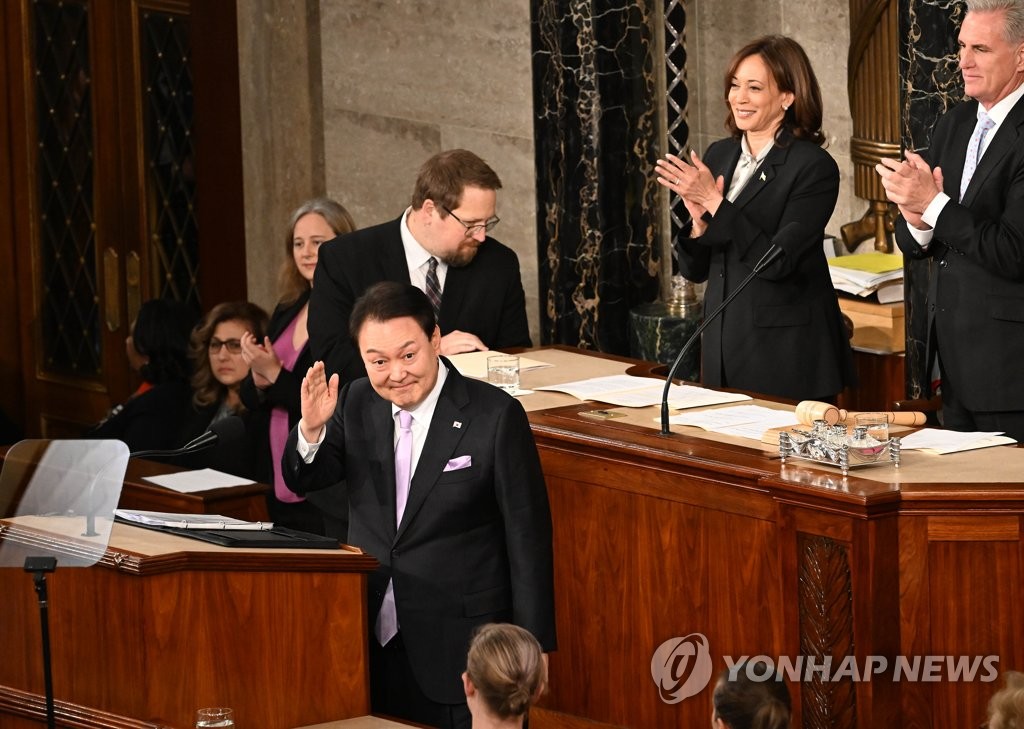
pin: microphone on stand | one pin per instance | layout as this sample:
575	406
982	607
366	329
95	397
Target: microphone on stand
777	249
227	430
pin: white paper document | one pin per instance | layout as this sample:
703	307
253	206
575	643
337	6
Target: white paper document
743	421
190	521
474	364
187	482
940	442
640	392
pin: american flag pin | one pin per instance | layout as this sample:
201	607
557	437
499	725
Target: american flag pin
762	177
457	424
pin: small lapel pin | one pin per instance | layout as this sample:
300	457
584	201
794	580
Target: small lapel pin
457	424
762	177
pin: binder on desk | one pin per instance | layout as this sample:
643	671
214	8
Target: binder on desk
279	537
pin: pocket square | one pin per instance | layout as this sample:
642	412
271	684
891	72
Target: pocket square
461	462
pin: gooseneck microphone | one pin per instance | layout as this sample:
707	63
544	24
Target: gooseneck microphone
229	430
776	250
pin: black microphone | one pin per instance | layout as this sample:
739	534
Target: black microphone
790	232
227	430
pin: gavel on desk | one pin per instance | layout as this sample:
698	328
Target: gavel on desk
807	411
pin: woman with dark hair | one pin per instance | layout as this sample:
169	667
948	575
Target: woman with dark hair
755	697
505	673
157	348
783	335
218	365
280	360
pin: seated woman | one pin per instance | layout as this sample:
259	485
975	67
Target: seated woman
280	360
505	673
218	372
157	348
743	703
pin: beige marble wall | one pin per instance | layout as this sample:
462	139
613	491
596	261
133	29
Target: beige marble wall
717	28
403	80
282	129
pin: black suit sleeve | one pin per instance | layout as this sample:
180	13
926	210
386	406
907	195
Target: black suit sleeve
523	500
330	305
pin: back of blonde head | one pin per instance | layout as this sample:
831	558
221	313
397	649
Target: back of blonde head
506	667
1006	707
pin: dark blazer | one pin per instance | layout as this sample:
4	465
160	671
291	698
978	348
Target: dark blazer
474	545
484	297
976	297
153	420
783	334
284	393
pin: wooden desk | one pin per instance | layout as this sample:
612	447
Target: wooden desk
660	537
164	625
242	502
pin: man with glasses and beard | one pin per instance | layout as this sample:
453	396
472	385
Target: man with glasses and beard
440	244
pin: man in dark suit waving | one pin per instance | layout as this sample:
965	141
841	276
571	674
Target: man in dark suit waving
962	203
444	488
440	245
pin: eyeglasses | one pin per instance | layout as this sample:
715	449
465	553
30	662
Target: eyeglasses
234	346
472	230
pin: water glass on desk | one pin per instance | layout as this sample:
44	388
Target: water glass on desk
215	717
876	425
503	372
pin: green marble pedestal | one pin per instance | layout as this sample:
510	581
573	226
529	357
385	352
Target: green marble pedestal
658	331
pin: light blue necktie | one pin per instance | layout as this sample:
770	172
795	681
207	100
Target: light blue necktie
974	150
387	619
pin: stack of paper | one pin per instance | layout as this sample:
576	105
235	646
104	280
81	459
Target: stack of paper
744	421
190	521
863	274
640	392
940	442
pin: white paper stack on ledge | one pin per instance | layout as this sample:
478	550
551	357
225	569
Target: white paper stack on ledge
742	421
641	392
940	442
862	274
190	521
204	479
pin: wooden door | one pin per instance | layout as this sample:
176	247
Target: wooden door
108	166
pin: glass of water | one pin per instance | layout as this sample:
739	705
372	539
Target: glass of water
503	372
215	717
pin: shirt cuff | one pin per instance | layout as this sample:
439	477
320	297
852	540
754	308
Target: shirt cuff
931	213
307	451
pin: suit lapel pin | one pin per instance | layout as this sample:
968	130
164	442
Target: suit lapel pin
457	424
763	178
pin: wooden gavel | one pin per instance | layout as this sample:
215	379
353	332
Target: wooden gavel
807	411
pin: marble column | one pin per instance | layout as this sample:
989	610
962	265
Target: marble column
931	84
596	140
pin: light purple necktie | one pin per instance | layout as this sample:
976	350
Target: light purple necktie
387	619
974	150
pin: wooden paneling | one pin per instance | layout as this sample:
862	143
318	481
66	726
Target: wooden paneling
211	627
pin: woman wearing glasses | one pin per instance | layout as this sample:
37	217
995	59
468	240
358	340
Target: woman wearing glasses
218	372
279	360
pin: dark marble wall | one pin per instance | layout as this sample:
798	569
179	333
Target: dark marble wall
931	84
596	131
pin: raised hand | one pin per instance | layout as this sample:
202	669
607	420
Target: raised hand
319	396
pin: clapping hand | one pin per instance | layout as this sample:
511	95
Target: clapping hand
911	184
262	360
694	183
319	397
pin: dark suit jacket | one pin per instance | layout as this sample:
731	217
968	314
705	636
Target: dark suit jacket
976	297
474	545
484	298
151	421
783	334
